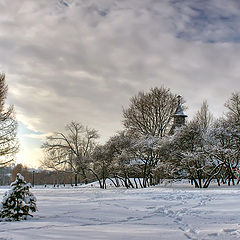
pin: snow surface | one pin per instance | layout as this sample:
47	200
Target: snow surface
170	212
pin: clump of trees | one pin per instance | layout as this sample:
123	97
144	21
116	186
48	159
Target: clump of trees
205	149
144	153
128	156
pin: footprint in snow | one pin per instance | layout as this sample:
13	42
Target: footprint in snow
215	234
229	230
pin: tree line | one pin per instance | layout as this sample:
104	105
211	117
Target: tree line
42	176
144	153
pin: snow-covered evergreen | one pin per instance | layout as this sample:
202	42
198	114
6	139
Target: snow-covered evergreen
18	202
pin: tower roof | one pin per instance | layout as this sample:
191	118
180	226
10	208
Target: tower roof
179	117
179	110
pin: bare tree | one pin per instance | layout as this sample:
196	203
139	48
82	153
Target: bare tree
225	148
226	141
151	113
71	151
119	151
148	119
101	165
233	105
128	159
204	117
8	127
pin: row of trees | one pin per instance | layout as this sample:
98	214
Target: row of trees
42	176
36	176
76	150
144	153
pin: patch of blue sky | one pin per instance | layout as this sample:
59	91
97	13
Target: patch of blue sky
23	129
207	22
24	136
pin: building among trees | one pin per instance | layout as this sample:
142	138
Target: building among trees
179	118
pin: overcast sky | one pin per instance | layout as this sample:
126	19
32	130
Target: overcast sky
83	59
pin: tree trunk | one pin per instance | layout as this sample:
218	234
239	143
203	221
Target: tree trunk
140	183
84	176
135	182
115	184
196	183
76	179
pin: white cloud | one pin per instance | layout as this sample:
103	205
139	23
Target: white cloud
41	136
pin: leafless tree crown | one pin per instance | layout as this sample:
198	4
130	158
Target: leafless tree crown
70	150
151	113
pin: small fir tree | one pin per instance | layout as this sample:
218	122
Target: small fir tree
18	201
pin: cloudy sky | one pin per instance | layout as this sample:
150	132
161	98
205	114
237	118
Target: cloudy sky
83	59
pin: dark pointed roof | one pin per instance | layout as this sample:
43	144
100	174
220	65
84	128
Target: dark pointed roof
179	110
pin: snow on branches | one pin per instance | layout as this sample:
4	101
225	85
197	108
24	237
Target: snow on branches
18	202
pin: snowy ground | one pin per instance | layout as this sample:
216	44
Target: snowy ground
153	213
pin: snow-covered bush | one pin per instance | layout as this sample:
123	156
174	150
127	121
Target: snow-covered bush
18	201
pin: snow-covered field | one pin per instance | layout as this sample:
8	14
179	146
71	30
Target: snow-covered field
153	213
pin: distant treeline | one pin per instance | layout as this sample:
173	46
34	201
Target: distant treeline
42	177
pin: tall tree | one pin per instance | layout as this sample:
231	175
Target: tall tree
151	113
204	117
71	151
148	119
8	127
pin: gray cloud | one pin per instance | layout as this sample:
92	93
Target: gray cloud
83	60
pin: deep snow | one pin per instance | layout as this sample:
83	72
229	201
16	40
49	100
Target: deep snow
154	213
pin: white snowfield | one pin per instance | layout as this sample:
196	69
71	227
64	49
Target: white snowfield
119	214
